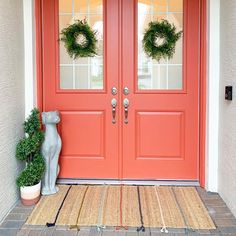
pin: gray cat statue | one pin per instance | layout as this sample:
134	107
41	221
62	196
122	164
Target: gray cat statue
51	148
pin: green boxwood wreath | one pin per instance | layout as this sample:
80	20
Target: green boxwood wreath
162	31
79	39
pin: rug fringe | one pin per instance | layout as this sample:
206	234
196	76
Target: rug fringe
164	228
59	210
121	227
100	227
141	228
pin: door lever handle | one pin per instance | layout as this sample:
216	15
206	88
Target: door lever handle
113	104
126	106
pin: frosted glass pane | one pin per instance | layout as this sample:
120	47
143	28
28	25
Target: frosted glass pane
160	5
150	6
153	77
159	77
89	76
81	6
82	61
144	77
178	56
176	5
145	7
64	21
96	74
177	20
65	6
81	73
64	57
175	77
154	74
88	6
66	77
96	6
81	77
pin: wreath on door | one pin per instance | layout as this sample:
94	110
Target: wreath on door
79	40
160	39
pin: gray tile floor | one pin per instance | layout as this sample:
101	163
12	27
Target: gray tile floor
221	215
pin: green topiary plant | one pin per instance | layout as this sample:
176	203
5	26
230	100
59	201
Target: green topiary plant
28	150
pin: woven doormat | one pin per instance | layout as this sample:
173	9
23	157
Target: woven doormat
122	207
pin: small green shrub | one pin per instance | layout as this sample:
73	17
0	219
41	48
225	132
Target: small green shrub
32	123
29	146
32	174
28	150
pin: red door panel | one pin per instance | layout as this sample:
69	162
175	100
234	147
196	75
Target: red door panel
161	139
156	132
90	140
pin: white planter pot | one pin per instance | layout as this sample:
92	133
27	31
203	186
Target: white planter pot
30	195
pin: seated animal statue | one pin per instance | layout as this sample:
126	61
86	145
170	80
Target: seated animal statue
51	148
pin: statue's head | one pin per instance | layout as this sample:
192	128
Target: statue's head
51	117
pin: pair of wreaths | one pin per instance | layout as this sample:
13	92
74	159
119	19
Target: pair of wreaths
158	42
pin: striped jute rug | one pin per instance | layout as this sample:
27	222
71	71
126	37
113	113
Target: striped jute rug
122	206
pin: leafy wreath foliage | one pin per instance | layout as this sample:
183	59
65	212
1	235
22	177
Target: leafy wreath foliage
79	39
162	31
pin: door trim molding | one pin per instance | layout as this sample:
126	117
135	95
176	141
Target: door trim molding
203	81
29	57
202	102
38	53
213	96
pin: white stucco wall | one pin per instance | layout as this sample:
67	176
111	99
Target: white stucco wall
11	98
227	124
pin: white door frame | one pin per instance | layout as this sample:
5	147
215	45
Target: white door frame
213	80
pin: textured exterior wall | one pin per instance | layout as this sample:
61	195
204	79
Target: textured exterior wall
227	129
11	98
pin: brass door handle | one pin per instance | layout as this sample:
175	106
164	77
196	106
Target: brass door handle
113	104
126	106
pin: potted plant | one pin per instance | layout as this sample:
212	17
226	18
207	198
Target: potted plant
28	151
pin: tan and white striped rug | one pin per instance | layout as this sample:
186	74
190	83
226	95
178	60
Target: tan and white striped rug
122	207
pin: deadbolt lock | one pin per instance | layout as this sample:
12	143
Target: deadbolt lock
126	90
114	91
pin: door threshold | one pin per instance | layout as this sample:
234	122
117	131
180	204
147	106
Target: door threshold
129	182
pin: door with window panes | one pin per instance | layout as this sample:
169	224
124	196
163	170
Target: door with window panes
124	115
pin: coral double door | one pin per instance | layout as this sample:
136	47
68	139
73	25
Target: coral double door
135	118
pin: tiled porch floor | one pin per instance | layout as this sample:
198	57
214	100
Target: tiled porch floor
221	215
